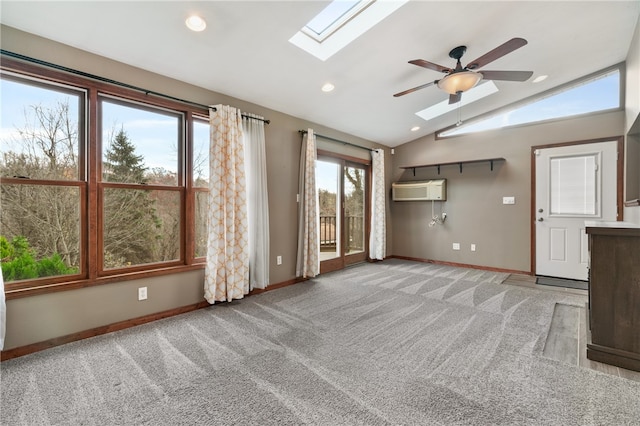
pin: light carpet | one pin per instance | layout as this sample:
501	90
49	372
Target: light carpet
391	343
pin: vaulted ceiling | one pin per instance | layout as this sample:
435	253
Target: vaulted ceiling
245	53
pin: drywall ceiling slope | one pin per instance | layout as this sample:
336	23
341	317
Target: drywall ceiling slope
245	53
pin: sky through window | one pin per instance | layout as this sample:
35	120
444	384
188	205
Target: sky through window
599	93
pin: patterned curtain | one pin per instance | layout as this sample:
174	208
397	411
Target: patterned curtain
308	260
378	239
227	269
257	200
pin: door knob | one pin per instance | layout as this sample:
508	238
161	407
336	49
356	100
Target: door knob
540	210
541	219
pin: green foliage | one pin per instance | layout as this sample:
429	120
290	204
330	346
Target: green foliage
121	162
7	250
132	230
18	262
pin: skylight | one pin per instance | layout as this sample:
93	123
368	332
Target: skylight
478	92
332	17
340	23
599	93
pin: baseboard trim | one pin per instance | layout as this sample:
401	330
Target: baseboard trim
277	286
460	265
121	325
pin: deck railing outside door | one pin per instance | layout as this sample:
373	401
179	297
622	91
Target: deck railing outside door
355	231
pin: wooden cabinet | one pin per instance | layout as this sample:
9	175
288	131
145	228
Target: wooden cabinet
614	293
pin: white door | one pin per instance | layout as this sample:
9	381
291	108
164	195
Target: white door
573	184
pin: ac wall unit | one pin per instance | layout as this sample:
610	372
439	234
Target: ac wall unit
429	190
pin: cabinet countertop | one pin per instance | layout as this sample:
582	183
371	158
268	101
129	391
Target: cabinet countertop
604	227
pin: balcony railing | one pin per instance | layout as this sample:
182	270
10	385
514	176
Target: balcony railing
355	233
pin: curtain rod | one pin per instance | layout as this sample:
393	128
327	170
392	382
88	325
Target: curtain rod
114	82
339	141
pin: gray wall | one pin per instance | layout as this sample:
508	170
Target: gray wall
37	318
475	213
632	100
474	204
632	126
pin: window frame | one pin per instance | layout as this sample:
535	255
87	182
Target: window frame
91	271
103	184
337	23
195	190
343	161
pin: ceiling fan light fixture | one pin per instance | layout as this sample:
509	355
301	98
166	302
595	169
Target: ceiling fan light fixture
459	81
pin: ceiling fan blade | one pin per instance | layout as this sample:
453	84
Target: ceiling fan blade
506	75
406	92
455	98
498	52
430	65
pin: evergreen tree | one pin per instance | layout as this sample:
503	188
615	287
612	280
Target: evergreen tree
121	163
131	223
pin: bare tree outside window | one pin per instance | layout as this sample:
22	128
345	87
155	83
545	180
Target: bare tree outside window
44	184
140	226
39	223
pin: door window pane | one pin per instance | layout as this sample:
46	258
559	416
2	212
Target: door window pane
39	131
327	178
40	231
573	185
140	226
354	190
139	145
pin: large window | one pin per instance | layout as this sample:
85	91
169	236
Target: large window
596	93
44	183
96	182
140	149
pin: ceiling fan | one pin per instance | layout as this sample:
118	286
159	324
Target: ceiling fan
459	79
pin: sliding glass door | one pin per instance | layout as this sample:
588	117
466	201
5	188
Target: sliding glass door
344	207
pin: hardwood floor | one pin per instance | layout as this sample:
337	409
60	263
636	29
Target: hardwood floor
567	339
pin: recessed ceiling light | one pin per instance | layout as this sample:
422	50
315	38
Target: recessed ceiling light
415	128
328	87
540	78
195	23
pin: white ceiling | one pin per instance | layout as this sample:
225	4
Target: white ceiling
245	52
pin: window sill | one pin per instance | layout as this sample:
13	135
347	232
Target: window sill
16	291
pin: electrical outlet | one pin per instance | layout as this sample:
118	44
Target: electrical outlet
456	246
473	247
279	260
142	293
508	200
